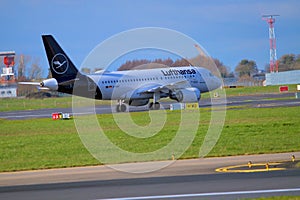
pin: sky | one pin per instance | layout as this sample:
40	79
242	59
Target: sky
229	30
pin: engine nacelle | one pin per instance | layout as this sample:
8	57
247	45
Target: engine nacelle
50	83
186	95
138	102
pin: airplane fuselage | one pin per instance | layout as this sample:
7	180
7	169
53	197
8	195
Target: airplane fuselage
125	84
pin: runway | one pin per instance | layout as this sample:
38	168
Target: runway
185	179
217	186
259	101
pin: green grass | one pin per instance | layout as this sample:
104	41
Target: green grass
44	143
12	104
255	131
240	91
277	198
40	143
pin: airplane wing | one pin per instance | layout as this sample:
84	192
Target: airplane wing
166	88
156	88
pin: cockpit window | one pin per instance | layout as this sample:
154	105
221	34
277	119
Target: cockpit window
210	74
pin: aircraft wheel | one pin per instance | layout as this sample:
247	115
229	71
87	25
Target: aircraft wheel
121	108
118	108
156	106
151	106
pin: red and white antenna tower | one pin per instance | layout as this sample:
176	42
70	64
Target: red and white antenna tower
273	57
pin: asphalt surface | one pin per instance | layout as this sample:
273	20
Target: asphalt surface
184	179
216	186
259	101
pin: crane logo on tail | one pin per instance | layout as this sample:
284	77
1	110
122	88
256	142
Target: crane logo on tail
60	63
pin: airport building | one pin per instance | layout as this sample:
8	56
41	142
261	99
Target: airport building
8	91
283	78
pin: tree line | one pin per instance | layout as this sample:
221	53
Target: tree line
28	68
248	68
159	63
245	69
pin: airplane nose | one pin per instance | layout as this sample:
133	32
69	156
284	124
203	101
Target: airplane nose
218	82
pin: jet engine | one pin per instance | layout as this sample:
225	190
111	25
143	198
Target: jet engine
138	102
50	83
186	95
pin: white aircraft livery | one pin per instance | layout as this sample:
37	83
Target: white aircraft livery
132	87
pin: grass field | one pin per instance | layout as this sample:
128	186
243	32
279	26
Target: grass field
11	104
257	90
277	198
43	143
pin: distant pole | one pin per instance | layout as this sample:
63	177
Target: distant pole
273	57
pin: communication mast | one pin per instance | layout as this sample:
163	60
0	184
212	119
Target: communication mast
273	57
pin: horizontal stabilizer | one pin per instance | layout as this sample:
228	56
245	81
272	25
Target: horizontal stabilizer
30	83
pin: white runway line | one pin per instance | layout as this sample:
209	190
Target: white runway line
207	194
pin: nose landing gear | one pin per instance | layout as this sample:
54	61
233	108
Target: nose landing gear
121	107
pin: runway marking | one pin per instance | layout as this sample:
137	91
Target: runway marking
207	194
26	116
250	170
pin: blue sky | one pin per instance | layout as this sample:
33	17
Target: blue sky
229	30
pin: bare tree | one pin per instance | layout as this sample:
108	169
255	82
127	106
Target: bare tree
222	68
22	66
35	71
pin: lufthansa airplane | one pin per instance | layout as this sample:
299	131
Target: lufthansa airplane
133	87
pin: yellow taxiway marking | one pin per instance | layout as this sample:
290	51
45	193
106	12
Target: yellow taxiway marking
249	170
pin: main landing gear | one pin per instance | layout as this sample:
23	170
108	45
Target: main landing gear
154	106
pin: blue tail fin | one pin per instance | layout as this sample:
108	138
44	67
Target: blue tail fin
62	68
68	78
